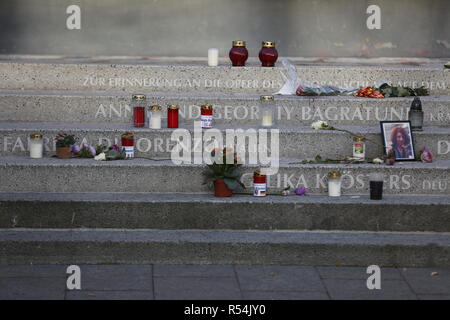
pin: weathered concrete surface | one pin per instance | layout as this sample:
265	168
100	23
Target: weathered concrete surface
167	28
231	109
128	76
21	174
204	211
294	141
65	246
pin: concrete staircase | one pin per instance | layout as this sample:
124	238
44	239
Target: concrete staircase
144	211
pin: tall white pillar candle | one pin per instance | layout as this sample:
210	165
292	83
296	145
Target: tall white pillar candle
213	57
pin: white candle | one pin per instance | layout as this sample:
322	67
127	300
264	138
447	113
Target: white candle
36	146
267	120
334	184
213	57
155	117
334	188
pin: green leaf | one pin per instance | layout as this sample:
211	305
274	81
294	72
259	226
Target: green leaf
231	183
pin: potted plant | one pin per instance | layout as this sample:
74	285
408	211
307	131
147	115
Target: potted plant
224	173
64	143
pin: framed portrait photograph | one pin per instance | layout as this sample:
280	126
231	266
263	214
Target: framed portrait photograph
397	136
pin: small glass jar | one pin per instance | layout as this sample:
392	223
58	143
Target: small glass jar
138	105
268	55
36	146
206	116
415	115
267	110
128	144
238	53
155	117
172	116
359	148
334	184
259	184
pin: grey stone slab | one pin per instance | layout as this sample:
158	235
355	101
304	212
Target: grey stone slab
285	295
240	212
116	277
232	109
278	278
108	295
33	271
132	77
184	270
340	289
424	282
196	288
24	288
433	297
356	273
293	141
142	175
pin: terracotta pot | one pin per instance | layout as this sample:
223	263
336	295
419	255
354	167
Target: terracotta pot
63	152
221	189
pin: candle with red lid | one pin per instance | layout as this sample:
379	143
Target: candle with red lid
172	116
206	116
259	184
128	144
138	103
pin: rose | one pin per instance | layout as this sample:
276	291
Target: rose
377	161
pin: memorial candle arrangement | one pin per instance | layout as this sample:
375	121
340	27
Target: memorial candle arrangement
206	116
155	117
267	110
128	144
172	116
238	53
138	104
36	146
259	184
334	184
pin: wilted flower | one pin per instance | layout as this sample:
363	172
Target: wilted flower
300	191
115	147
426	155
75	149
100	157
319	124
377	161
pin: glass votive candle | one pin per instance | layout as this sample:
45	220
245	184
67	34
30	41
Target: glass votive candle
376	185
36	146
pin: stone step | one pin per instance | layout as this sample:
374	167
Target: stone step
23	174
132	75
294	141
68	246
235	109
171	211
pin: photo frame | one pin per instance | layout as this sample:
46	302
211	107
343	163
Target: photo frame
398	136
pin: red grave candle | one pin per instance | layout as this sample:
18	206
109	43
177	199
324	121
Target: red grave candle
172	116
238	54
259	184
127	139
268	54
138	103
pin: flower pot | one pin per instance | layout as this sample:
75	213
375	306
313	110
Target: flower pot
63	152
221	189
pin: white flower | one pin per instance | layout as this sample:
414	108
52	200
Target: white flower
319	124
377	161
101	157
